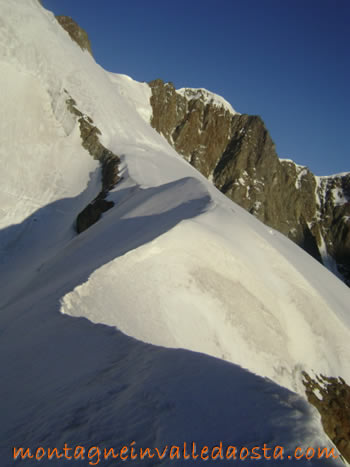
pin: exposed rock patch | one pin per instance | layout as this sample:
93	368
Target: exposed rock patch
77	34
331	397
238	155
92	213
110	168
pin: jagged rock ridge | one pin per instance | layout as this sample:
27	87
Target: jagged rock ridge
110	167
237	153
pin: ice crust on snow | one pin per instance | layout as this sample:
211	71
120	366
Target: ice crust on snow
113	334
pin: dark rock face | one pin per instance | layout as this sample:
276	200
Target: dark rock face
92	213
331	397
250	173
76	33
238	155
334	200
110	168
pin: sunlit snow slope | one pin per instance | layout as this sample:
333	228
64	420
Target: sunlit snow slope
174	264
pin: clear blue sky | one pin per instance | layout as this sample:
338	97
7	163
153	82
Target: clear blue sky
286	60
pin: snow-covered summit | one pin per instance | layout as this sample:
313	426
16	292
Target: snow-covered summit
207	97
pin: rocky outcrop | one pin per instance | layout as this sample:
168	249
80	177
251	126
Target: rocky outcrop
331	397
92	213
76	33
238	155
110	167
90	141
333	195
196	127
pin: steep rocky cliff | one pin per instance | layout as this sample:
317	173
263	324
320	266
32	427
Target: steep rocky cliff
333	198
237	153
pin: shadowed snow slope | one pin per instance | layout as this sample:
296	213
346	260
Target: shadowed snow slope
190	302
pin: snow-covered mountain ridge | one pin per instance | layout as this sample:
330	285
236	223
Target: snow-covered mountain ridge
91	324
